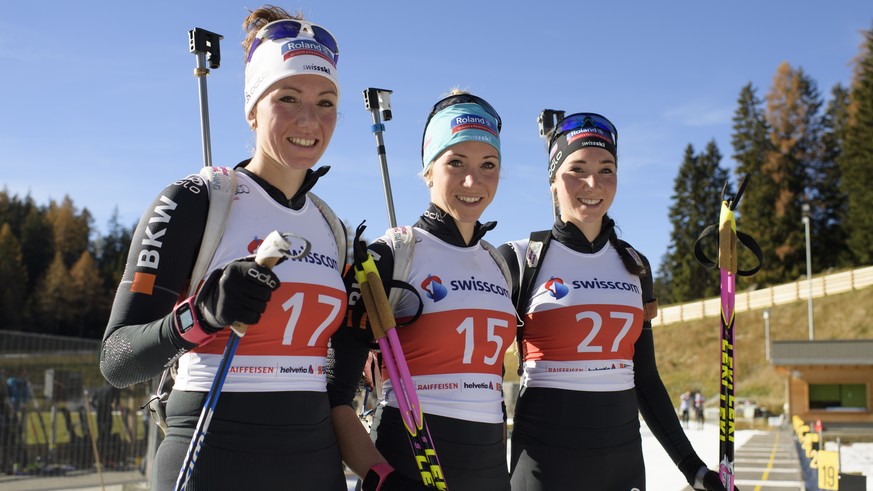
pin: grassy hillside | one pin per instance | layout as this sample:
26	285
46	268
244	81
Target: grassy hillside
688	353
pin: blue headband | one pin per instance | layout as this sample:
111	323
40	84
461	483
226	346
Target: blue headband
457	124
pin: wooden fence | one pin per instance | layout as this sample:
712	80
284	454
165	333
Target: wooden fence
828	284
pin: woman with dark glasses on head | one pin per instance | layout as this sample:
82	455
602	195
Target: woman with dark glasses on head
455	347
586	345
271	427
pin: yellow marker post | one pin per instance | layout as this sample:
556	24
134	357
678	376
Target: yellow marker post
808	440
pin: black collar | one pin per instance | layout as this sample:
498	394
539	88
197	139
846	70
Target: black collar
442	225
296	202
568	234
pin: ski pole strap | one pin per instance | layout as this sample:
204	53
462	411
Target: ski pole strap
391	284
747	241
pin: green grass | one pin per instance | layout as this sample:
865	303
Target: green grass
688	353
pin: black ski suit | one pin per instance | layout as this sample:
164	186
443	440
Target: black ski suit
589	362
258	439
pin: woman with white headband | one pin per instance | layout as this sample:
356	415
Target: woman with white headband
271	428
455	347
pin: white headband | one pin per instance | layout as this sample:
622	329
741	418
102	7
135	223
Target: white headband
274	60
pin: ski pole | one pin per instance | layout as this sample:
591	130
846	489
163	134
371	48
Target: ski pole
378	102
727	264
381	315
205	45
382	321
728	238
275	248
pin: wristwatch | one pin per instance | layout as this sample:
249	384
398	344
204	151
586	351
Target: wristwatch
187	323
184	317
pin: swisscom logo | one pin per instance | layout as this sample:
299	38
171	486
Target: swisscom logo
556	288
433	287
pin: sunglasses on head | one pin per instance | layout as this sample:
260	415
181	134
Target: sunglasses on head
584	120
460	99
290	28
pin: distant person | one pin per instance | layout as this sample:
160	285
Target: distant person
18	391
587	344
105	400
14	420
685	408
9	433
699	402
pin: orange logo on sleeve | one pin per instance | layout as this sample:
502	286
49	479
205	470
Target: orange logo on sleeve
143	283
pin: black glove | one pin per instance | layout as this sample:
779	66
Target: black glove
239	292
393	481
712	482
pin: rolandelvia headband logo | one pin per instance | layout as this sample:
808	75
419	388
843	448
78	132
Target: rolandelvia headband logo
458	123
285	48
577	131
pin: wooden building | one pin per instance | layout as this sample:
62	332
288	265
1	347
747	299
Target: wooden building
831	381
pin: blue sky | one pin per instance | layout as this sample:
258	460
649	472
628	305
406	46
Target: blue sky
100	102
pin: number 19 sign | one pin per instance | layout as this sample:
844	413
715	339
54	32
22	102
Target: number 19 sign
828	470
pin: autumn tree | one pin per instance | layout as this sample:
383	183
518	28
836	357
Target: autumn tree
63	287
89	305
792	113
54	302
71	230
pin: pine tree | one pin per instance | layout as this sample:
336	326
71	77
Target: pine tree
12	210
752	147
856	160
112	251
37	242
828	200
696	202
13	280
674	274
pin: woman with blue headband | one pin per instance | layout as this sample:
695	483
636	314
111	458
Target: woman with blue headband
586	346
455	347
270	429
